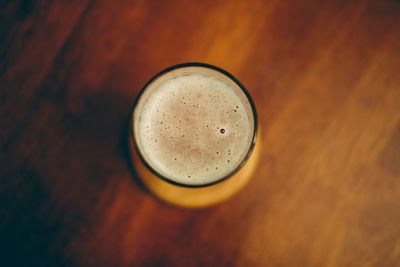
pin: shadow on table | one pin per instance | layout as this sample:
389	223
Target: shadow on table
65	171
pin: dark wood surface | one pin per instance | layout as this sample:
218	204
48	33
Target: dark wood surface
325	76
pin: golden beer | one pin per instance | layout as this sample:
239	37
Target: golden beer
193	134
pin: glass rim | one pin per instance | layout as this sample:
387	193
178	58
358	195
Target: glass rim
201	65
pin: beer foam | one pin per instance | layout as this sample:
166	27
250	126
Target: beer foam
193	128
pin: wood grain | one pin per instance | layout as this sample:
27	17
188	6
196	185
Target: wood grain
325	79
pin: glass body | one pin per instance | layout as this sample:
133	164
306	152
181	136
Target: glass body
195	196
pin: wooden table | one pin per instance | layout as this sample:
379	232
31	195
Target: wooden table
325	76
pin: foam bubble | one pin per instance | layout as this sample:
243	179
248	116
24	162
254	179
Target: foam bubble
194	128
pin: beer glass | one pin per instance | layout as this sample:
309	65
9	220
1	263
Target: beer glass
187	124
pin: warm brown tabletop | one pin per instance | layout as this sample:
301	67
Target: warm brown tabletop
325	77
